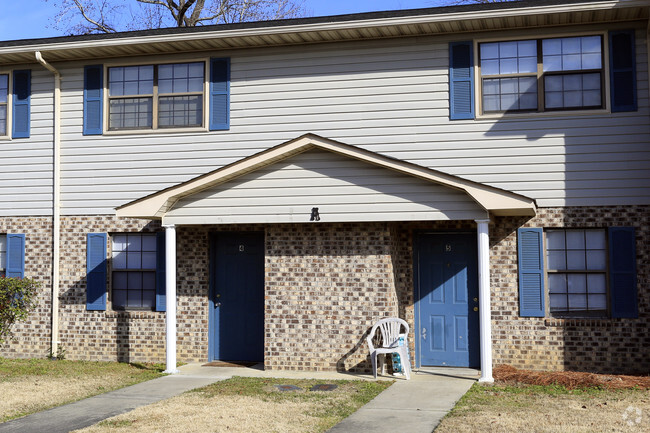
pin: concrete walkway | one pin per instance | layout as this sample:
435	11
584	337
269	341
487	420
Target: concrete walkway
415	406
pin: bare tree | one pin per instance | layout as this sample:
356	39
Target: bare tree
108	16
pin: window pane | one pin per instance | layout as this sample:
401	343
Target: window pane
557	283
148	260
176	111
131	113
119	298
489	67
148	299
597	302
595	239
577	302
148	243
491	103
576	260
489	51
508	66
551	46
570	45
3	252
119	260
554	100
596	283
135	243
591	98
575	239
4	88
556	260
134	260
507	49
591	61
149	281
577	283
120	280
3	120
555	239
134	280
490	87
596	260
134	298
558	302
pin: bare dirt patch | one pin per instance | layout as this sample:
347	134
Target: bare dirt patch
569	379
553	402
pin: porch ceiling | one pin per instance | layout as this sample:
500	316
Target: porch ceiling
470	199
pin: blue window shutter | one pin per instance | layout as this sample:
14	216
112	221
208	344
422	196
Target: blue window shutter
161	297
93	93
219	94
622	272
96	271
461	81
531	272
622	63
15	256
21	101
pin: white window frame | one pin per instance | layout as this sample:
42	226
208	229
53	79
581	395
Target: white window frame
606	103
156	130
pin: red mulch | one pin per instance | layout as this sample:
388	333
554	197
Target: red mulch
569	379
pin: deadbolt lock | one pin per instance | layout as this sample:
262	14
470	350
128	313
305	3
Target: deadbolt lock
475	308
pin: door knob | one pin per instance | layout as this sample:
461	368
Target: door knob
217	304
424	334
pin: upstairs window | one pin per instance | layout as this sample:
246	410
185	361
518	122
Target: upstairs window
4	103
156	96
542	75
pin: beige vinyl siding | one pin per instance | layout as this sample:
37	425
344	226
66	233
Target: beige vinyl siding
389	97
341	188
26	163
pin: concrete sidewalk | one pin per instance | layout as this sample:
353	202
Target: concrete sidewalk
415	406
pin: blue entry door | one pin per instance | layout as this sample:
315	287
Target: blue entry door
237	296
446	295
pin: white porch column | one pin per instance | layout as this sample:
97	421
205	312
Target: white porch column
484	300
170	286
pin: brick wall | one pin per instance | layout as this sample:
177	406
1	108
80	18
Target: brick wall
596	345
325	285
32	337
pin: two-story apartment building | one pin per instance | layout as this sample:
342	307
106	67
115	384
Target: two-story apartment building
266	191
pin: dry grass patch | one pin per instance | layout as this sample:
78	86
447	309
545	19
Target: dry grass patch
548	409
248	405
29	386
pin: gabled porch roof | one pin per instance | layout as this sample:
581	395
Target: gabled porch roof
490	199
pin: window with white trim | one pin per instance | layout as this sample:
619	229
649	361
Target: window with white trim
156	96
133	271
576	268
542	74
3	255
4	103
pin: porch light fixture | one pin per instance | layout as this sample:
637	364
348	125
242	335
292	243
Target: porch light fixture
314	214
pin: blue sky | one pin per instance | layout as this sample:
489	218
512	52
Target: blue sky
27	19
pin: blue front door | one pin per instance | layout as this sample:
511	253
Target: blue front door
446	300
237	296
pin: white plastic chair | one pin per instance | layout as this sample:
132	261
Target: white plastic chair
390	333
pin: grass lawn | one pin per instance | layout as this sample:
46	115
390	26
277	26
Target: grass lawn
248	405
32	385
550	408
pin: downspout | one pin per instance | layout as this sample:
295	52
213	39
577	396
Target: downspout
56	205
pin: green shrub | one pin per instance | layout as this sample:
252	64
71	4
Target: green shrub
17	299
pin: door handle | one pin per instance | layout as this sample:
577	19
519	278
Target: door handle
424	334
217	304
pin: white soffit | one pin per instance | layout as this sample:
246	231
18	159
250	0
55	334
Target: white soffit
434	21
494	200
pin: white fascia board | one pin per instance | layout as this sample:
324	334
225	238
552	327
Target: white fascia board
334	26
